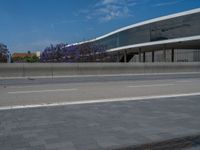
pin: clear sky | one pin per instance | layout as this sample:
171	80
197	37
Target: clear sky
34	24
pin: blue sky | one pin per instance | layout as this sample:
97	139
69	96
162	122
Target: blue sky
34	24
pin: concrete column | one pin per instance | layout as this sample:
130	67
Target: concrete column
118	57
117	39
94	56
153	56
172	55
125	56
139	54
144	57
164	55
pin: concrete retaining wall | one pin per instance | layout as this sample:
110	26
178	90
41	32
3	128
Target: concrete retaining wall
52	69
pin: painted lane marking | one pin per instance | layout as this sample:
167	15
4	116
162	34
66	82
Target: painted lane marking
100	101
151	85
42	91
185	81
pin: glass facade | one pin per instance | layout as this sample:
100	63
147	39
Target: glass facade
180	55
183	26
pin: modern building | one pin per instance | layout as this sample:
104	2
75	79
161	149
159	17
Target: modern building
38	54
173	38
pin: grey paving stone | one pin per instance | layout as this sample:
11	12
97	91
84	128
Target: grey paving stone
194	148
61	146
99	126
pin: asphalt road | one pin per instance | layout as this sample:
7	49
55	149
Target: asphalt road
93	78
71	89
103	112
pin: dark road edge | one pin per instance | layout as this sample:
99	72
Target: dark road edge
172	144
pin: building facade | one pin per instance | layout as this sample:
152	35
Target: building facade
173	38
25	57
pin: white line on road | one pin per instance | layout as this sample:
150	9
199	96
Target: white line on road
184	81
151	85
42	91
101	101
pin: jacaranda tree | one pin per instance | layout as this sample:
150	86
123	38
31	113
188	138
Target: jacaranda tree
4	53
86	52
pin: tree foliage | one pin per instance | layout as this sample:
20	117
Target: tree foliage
86	52
3	53
27	59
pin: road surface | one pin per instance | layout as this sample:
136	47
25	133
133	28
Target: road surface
83	113
18	92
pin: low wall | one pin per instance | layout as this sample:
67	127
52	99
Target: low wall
64	69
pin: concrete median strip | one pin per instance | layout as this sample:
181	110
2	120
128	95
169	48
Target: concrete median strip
42	91
100	101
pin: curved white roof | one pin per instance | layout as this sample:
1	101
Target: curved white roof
193	11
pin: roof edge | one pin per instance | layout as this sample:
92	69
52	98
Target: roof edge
189	12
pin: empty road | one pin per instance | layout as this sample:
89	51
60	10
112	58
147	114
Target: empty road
17	92
103	112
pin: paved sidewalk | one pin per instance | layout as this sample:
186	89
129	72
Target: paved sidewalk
99	126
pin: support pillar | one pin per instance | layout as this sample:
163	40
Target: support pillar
164	55
153	56
118	57
125	56
140	56
144	57
172	55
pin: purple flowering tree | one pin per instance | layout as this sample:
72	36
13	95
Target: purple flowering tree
86	52
4	53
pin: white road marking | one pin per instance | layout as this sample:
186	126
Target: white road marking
101	101
184	81
42	91
151	85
